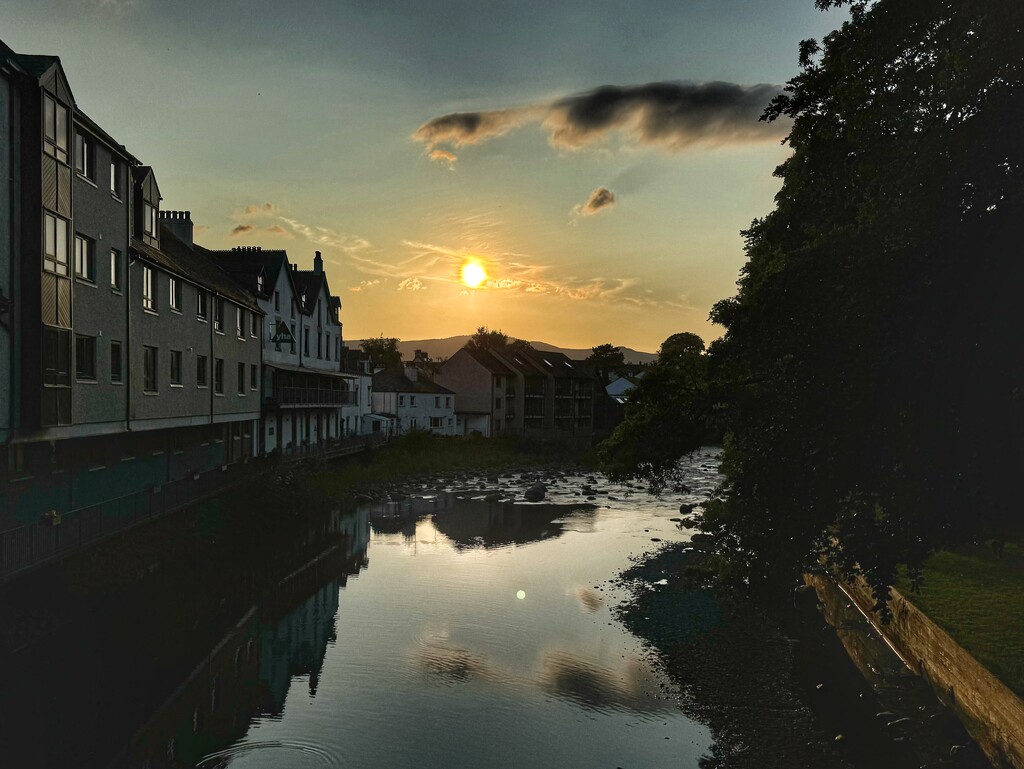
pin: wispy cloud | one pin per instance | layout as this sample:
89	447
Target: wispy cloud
600	199
669	115
513	273
411	284
277	229
364	284
242	229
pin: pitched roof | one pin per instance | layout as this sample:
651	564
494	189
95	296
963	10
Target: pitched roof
246	263
390	381
194	264
558	364
488	361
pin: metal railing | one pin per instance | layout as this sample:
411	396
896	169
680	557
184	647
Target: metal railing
313	396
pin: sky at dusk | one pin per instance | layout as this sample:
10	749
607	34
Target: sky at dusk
596	159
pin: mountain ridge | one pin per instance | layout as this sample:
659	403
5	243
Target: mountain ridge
445	347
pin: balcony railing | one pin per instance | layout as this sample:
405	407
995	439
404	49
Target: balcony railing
314	396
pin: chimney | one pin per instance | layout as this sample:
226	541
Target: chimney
318	263
179	223
412	373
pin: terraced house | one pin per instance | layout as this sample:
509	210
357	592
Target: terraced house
129	361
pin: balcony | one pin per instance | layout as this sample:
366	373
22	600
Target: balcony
314	396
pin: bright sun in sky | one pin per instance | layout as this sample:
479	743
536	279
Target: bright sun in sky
473	274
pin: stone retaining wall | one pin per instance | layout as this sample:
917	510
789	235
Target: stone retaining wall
992	713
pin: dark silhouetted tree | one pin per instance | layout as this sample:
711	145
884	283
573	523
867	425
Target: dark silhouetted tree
383	352
606	360
871	363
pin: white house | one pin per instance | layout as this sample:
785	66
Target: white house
415	402
356	416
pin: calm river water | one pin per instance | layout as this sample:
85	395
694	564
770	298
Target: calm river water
479	634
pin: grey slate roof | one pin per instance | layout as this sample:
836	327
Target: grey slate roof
398	382
194	264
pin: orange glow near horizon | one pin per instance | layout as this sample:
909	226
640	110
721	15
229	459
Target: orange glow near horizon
473	274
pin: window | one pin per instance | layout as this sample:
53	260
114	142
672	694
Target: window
401	400
320	344
149	369
201	371
174	293
239	322
115	269
218	314
115	178
293	307
412	401
277	301
252	376
218	376
85	357
293	337
85	156
175	367
497	403
55	254
55	129
241	379
254	325
448	401
85	259
437	401
56	356
259	282
201	304
149	219
116	369
148	289
436	422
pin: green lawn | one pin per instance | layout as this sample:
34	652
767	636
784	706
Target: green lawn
979	601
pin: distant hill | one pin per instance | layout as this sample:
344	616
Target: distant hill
445	348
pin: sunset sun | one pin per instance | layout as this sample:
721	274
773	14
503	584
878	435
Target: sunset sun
473	274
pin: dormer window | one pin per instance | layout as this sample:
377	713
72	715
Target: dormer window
302	299
149	215
259	282
55	129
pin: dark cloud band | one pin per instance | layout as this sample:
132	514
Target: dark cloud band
673	116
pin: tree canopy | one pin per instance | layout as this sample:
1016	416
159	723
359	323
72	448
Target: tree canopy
383	352
872	373
487	339
606	359
667	415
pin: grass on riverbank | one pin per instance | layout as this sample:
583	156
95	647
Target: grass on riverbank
979	601
422	453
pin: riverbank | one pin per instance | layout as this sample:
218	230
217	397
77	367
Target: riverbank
779	687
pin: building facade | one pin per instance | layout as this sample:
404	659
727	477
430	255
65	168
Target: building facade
113	383
304	384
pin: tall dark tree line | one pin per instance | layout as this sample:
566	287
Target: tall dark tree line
872	363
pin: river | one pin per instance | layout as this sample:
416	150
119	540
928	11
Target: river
442	630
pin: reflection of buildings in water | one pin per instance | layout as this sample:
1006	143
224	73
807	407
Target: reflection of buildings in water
209	710
296	646
250	670
472	523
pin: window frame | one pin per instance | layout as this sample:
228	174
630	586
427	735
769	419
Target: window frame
174	293
54	262
253	379
85	157
115	178
148	289
85	353
176	369
85	258
218	314
202	377
202	306
116	372
150	366
115	270
218	376
241	378
52	145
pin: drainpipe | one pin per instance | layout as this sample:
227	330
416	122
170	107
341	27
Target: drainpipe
126	352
